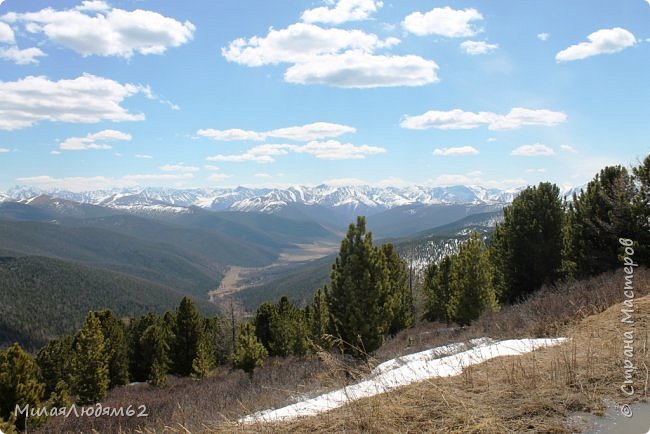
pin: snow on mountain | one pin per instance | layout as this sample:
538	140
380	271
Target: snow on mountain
347	200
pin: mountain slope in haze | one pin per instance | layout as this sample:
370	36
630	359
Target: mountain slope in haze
157	262
42	298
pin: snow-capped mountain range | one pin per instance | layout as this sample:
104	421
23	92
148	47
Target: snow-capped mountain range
346	200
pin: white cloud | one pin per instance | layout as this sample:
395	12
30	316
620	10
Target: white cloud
459	119
543	36
258	154
300	42
6	33
3	150
324	150
358	69
474	178
143	156
91	141
334	150
604	41
218	176
536	170
21	57
107	32
80	183
445	21
211	167
343	11
453	152
93	5
304	133
85	99
233	134
478	47
491	139
178	168
569	148
536	150
55	152
336	182
262	175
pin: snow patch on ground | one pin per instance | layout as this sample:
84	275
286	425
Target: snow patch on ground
445	361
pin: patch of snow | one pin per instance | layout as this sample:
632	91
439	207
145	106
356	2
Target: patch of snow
446	361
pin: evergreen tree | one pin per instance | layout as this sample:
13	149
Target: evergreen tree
472	288
263	319
357	299
90	368
216	331
439	290
399	294
641	211
319	318
154	354
284	332
116	348
187	336
19	385
527	246
249	351
203	363
54	361
596	220
139	349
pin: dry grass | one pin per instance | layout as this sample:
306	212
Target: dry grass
536	392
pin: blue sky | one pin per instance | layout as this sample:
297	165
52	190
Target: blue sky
100	94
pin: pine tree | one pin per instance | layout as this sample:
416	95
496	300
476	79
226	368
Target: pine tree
527	246
139	349
439	289
116	348
641	211
471	282
400	298
319	318
54	361
155	353
263	319
249	351
357	299
596	219
188	331
90	369
19	385
283	329
203	363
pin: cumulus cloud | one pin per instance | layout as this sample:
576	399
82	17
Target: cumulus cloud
568	148
478	47
3	150
82	183
604	41
300	42
459	119
304	133
178	168
85	99
343	11
364	70
143	156
91	141
6	33
536	150
94	28
446	21
332	56
325	150
457	151
218	176
211	167
543	36
21	57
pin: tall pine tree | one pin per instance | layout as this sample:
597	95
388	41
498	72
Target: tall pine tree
90	368
439	290
400	298
187	336
249	351
357	299
116	348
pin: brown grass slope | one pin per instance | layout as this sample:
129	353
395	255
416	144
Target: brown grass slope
536	392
